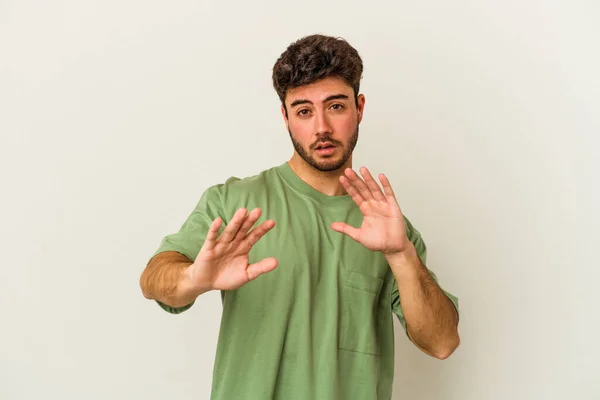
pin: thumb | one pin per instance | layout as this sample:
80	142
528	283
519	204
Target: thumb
261	267
346	229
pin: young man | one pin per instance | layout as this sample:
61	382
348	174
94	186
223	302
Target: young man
307	303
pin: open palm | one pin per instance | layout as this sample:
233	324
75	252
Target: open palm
224	260
383	227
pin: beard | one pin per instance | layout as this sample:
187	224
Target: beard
326	165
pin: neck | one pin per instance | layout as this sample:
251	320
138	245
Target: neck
326	182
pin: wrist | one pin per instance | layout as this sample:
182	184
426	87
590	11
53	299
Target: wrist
194	282
407	259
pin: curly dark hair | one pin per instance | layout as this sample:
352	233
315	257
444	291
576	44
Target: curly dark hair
316	57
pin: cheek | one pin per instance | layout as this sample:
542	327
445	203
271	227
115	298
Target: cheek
347	126
300	132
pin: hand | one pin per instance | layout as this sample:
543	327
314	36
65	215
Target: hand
223	261
383	227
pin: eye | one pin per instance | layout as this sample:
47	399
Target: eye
304	112
337	106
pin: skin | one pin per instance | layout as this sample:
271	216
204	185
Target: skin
323	111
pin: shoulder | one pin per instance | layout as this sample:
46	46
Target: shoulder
250	182
236	186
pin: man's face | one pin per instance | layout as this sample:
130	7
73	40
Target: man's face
322	119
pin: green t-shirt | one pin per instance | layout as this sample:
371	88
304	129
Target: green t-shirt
320	325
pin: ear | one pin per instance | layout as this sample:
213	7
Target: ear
361	106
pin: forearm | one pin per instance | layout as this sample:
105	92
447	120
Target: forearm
167	279
431	318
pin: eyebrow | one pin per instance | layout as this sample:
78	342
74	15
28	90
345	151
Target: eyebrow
332	97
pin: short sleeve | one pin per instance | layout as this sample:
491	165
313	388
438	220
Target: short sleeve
417	240
188	240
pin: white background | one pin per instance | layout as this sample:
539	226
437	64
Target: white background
115	116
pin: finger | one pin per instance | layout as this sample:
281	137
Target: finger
359	184
372	184
351	190
262	267
213	232
346	229
233	226
258	232
248	223
387	189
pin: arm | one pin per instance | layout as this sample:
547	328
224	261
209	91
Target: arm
167	279
163	278
431	318
222	263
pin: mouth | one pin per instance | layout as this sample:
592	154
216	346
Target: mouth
325	148
325	145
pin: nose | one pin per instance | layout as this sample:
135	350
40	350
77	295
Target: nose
323	127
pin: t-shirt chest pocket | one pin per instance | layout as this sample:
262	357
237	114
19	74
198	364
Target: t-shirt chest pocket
360	313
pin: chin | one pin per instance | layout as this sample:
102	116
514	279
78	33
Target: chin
328	165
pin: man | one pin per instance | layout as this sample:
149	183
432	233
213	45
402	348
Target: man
307	303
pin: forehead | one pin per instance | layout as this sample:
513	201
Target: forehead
318	91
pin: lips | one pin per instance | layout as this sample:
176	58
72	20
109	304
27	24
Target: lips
325	149
324	145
